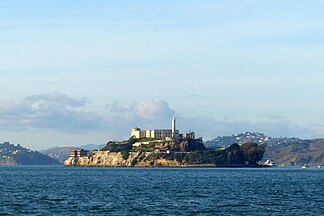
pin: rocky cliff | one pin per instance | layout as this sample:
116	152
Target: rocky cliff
111	159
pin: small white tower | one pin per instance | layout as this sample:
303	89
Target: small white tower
173	128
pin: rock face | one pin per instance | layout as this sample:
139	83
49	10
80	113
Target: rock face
113	159
98	158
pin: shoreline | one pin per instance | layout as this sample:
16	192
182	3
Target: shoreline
186	166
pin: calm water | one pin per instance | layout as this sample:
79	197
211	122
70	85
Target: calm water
160	191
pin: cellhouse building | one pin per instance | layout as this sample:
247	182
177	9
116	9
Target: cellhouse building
172	133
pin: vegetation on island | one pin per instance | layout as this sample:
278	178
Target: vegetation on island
120	146
181	145
246	154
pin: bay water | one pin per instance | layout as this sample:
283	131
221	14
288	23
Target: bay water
56	190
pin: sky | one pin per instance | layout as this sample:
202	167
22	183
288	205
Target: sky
80	72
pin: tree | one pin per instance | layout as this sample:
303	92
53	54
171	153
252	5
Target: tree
235	154
252	152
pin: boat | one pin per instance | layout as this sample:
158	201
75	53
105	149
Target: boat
305	166
270	163
318	167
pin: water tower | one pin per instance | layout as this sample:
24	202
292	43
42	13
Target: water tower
173	128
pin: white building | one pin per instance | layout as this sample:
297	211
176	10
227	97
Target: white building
156	133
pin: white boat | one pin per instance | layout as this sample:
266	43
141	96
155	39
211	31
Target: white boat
270	163
305	166
318	167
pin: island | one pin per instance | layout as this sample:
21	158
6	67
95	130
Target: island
167	148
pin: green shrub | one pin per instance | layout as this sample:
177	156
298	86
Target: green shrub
134	162
125	154
252	152
118	147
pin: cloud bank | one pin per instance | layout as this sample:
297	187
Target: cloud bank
55	111
61	113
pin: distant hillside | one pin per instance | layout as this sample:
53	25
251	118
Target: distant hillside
92	147
17	155
286	151
62	153
260	138
58	153
309	152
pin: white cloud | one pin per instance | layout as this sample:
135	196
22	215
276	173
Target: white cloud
61	113
146	109
144	114
48	111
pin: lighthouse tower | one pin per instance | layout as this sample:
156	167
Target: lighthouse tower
173	128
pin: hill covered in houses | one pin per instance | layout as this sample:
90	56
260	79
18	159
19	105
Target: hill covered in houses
11	154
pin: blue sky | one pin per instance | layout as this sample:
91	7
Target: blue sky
77	72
